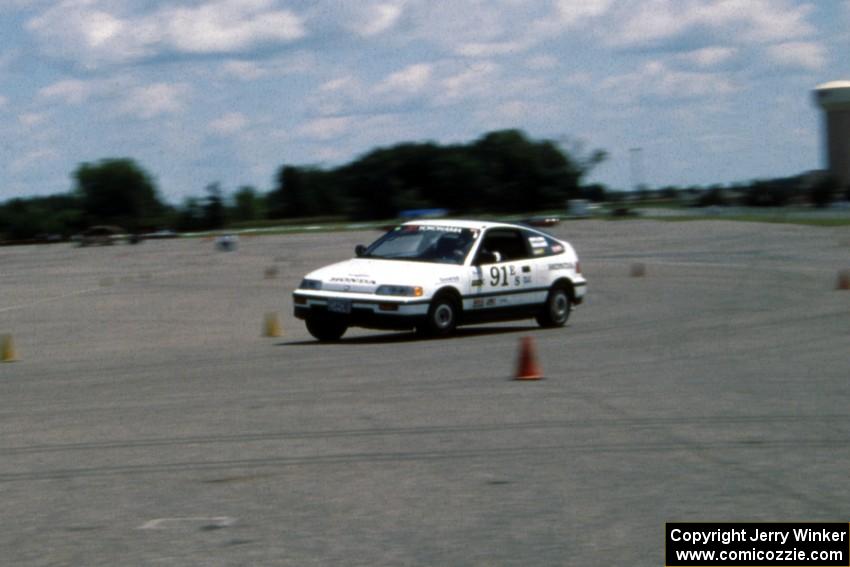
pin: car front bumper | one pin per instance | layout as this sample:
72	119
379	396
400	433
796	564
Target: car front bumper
370	311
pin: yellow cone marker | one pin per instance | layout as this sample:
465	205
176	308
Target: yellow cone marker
271	327
8	353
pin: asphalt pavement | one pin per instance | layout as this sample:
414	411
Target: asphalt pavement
148	422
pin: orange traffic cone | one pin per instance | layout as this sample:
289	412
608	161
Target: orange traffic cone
7	349
271	326
528	368
843	280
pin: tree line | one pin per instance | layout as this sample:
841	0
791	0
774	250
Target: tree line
503	171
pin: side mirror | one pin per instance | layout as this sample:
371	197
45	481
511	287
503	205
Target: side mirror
487	257
359	250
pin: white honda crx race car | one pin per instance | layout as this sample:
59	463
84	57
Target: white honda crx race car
437	274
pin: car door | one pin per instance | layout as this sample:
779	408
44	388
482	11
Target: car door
503	271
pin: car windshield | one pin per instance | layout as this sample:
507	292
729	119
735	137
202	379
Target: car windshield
424	243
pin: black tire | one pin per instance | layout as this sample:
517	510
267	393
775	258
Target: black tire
556	311
442	317
326	328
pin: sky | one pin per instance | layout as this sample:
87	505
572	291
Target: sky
678	92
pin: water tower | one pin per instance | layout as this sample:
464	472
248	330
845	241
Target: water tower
834	99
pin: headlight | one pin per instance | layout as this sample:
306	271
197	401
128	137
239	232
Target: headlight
405	290
310	284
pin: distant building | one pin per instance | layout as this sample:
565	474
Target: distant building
834	99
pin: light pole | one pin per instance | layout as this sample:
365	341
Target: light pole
636	167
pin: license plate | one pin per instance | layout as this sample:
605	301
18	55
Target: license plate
339	305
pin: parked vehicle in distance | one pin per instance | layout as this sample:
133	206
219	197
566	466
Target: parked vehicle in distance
542	220
162	234
101	235
433	275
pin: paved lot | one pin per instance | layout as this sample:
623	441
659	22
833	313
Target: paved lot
148	422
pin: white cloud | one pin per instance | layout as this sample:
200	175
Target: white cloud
802	54
433	69
472	25
248	70
571	12
581	79
32	119
13	5
229	25
330	153
3	101
326	128
759	20
101	28
82	31
245	70
651	21
639	22
340	96
122	94
93	33
33	159
491	28
410	80
77	91
542	62
360	132
655	79
514	110
347	94
377	18
477	28
154	100
71	91
490	49
230	123
474	82
337	85
420	87
710	56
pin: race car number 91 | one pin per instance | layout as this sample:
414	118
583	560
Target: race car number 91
503	276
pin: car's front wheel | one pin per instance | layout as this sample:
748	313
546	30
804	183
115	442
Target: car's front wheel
556	310
442	317
326	328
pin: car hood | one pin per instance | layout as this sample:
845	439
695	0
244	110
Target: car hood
364	275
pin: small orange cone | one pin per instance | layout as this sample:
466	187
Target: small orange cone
843	280
7	349
271	326
527	369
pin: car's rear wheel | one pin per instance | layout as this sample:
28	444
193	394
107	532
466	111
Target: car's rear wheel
442	317
326	328
556	310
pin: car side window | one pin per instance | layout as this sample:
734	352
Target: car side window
506	244
542	245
